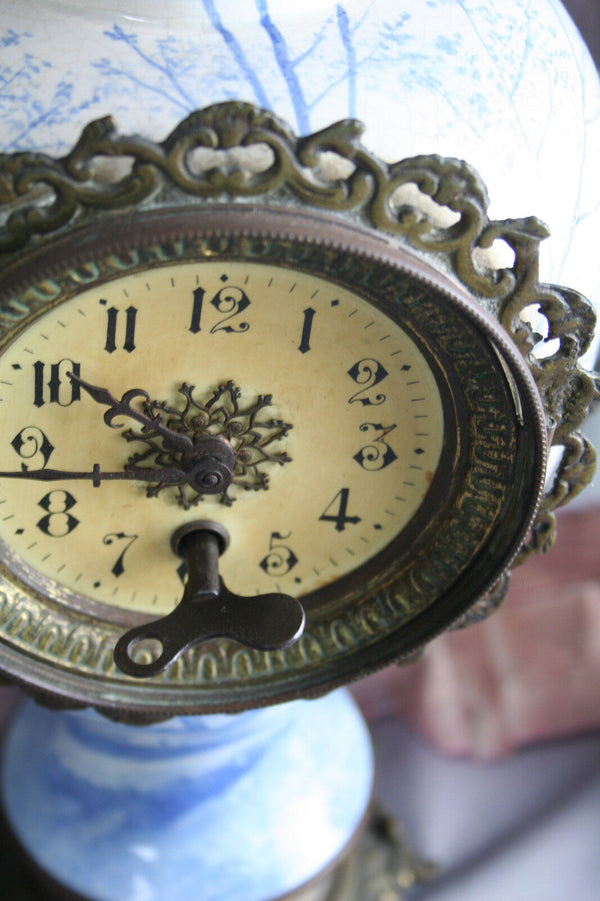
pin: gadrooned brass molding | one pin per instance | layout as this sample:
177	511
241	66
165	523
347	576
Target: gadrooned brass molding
436	207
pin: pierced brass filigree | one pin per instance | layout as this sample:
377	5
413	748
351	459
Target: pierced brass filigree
382	866
222	416
438	206
236	155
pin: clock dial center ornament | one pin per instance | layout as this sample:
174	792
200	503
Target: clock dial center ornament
385	483
194	447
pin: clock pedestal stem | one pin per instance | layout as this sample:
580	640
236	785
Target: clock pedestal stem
244	807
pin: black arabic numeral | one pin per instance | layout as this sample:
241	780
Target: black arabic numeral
59	389
113	317
336	511
280	559
195	324
367	373
378	455
309	315
33	445
231	301
119	568
58	522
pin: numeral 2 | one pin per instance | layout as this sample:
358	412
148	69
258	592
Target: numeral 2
367	373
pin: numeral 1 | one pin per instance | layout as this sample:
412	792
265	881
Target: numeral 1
304	345
195	326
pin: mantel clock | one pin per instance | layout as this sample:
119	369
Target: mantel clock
309	391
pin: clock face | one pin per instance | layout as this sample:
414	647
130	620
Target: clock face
388	438
339	461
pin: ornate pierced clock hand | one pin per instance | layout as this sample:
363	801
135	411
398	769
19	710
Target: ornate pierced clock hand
123	407
207	463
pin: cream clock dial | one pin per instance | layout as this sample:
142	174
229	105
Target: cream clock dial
363	434
328	472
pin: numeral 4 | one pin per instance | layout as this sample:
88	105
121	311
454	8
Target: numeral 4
336	511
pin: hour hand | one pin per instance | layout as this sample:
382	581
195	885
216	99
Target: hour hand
124	407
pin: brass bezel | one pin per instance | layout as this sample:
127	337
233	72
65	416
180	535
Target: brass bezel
349	227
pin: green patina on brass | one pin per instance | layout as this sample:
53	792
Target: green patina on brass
234	153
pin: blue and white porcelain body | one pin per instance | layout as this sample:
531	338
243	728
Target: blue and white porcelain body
247	808
217	808
507	85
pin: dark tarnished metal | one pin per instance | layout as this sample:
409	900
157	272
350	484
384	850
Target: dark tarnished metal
190	457
267	622
484	491
222	419
330	170
204	462
324	204
381	867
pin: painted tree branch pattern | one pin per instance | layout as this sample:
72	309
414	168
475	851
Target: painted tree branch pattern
270	62
170	74
500	84
24	114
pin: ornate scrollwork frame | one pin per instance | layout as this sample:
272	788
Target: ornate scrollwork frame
437	207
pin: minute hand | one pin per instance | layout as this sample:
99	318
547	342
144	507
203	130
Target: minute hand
123	407
171	476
